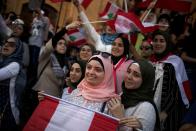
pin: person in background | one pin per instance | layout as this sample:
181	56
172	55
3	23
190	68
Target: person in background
136	109
120	59
52	69
175	90
10	65
76	74
101	42
18	31
85	52
39	33
146	49
189	57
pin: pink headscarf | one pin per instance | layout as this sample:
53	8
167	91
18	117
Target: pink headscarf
103	91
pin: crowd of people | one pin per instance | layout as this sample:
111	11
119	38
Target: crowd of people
146	80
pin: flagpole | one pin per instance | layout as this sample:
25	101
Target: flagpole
149	10
126	8
59	13
94	22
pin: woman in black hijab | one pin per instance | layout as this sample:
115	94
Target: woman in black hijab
138	110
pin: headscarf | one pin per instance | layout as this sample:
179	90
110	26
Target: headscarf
167	52
74	85
16	56
103	91
126	45
131	97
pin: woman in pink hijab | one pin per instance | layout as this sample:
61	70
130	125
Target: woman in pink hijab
97	87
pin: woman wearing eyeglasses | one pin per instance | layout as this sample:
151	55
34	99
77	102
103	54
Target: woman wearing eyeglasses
10	62
146	49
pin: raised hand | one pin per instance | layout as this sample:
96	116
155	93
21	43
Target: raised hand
73	25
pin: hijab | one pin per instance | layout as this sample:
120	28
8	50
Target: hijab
125	42
74	85
104	90
16	56
131	97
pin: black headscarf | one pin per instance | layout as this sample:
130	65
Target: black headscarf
131	97
82	66
59	36
126	45
16	56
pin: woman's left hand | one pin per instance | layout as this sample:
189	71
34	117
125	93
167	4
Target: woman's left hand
116	108
131	121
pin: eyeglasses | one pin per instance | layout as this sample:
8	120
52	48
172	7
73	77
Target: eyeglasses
145	47
103	54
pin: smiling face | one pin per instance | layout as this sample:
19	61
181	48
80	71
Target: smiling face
94	74
117	47
61	46
75	73
133	77
159	44
146	49
9	47
85	53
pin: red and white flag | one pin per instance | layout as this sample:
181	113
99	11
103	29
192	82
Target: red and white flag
85	3
110	11
129	22
75	37
181	77
174	5
53	114
56	1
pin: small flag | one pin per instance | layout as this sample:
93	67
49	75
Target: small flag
75	37
174	5
110	11
85	3
58	1
129	22
53	114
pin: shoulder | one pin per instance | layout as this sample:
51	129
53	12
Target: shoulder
13	66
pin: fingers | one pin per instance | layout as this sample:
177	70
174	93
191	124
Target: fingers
40	95
112	102
131	122
73	25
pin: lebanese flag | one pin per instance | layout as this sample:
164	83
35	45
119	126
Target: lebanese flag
75	37
174	5
53	114
181	77
57	1
110	11
85	3
129	22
